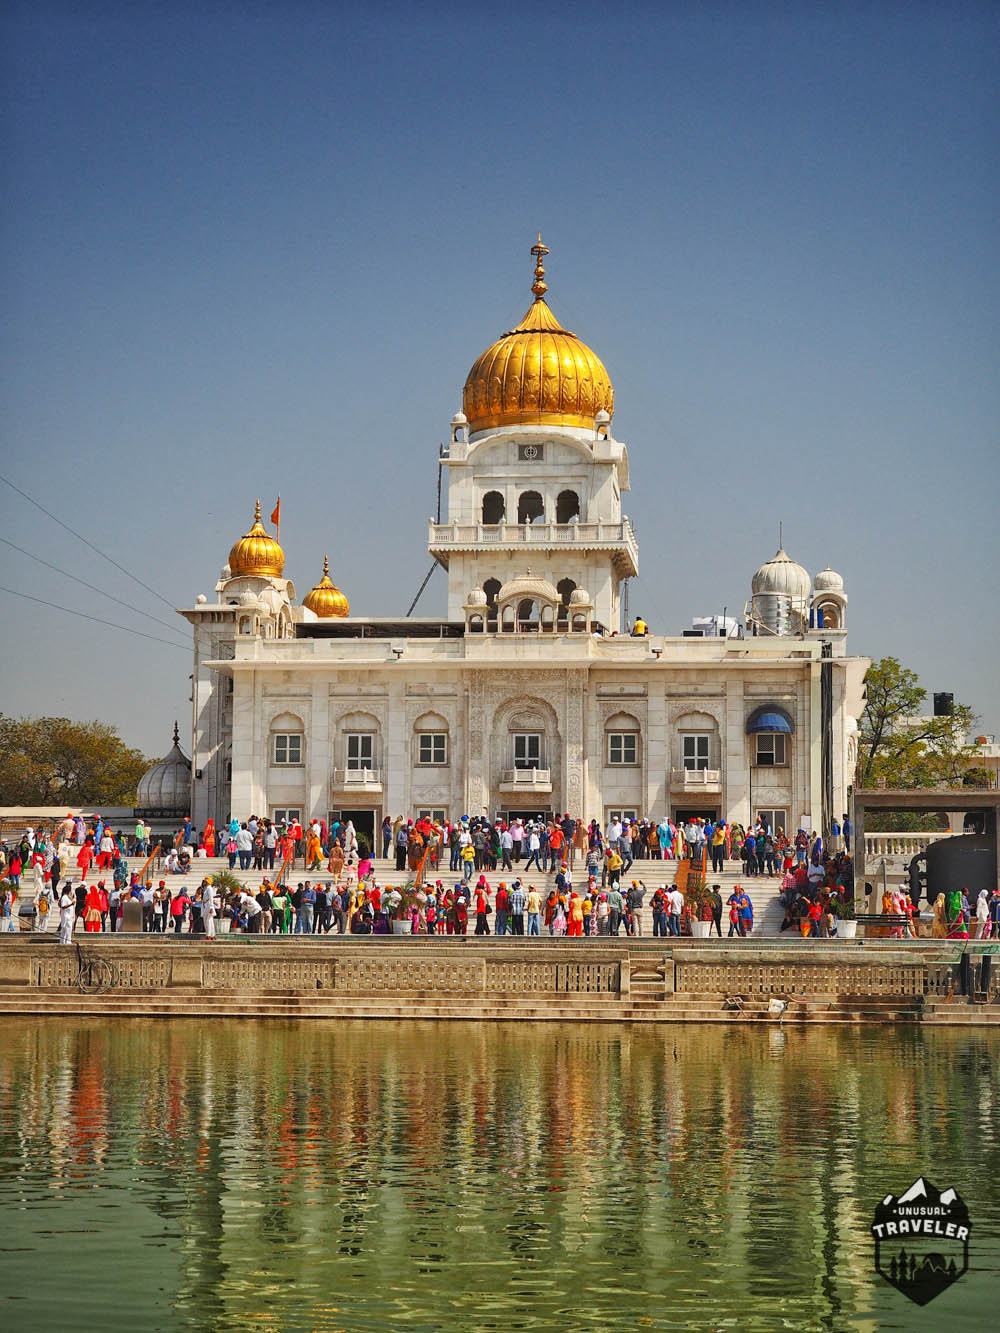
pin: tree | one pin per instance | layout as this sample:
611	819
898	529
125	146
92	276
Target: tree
51	760
900	746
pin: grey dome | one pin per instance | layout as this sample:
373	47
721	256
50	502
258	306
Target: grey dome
167	785
828	580
781	575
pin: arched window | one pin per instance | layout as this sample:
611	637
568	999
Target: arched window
698	746
770	728
530	507
567	506
527	614
829	616
564	587
431	741
491	588
359	741
287	740
494	507
622	741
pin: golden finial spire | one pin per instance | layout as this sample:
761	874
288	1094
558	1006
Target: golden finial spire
539	286
256	516
326	566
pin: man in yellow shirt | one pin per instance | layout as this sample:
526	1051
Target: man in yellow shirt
534	908
614	864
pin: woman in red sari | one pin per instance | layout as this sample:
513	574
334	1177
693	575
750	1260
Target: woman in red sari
208	838
85	856
92	909
288	847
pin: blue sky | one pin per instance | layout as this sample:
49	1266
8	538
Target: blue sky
251	248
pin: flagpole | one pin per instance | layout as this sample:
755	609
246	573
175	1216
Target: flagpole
277	526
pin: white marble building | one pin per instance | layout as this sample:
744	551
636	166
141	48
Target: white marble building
523	699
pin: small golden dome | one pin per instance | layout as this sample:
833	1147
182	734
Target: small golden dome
257	552
326	599
537	374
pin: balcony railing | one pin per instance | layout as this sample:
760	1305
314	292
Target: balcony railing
532	534
526	779
696	779
903	845
361	779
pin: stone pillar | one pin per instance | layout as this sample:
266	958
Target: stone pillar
250	762
319	759
477	771
576	686
815	747
736	775
396	766
656	754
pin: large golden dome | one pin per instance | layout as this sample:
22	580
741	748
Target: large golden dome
326	599
537	374
257	552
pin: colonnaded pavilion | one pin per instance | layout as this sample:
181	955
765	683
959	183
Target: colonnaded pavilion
525	699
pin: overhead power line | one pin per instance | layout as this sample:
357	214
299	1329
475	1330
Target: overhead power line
93	587
96	619
79	536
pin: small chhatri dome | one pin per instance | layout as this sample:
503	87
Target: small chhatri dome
257	552
828	580
537	374
167	785
781	575
530	586
326	600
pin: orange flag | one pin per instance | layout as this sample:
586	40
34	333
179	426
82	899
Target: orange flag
276	513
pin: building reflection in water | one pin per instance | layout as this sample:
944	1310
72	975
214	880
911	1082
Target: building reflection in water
267	1173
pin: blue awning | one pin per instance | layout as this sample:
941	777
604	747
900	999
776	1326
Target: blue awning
769	718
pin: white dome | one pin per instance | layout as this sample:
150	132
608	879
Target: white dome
477	598
459	419
528	585
167	785
828	580
579	597
783	576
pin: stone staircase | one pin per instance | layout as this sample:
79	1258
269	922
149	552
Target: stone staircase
643	1005
763	892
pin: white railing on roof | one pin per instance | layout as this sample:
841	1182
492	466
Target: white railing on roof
530	534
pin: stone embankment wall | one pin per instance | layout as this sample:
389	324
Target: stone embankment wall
606	980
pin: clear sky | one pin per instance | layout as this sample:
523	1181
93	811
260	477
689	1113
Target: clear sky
251	248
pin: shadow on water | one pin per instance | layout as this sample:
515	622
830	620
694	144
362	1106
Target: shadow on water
460	1176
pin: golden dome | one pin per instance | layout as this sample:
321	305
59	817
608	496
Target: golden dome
537	374
257	552
326	599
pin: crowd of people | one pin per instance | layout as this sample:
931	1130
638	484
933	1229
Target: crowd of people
558	877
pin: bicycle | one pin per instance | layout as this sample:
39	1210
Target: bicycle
95	974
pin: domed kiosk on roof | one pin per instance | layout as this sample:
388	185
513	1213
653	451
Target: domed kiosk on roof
164	791
780	596
828	608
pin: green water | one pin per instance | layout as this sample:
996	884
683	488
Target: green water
240	1175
